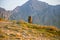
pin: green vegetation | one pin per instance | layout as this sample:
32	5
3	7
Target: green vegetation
13	30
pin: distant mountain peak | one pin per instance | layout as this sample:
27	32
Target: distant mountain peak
33	0
2	9
44	13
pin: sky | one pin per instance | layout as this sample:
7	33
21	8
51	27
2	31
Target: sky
11	4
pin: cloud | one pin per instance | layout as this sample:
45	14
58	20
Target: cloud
11	4
52	2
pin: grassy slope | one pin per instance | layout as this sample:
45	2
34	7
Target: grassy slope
12	30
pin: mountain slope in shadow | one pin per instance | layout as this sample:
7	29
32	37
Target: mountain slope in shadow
41	12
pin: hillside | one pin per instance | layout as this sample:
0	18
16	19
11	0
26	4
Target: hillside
20	30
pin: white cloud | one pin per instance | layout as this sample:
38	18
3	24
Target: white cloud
11	4
52	2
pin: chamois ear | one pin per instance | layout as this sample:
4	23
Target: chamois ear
29	19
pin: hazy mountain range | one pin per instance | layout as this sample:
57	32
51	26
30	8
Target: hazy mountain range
41	12
5	14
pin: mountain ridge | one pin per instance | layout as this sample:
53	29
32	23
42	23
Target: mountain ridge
44	13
